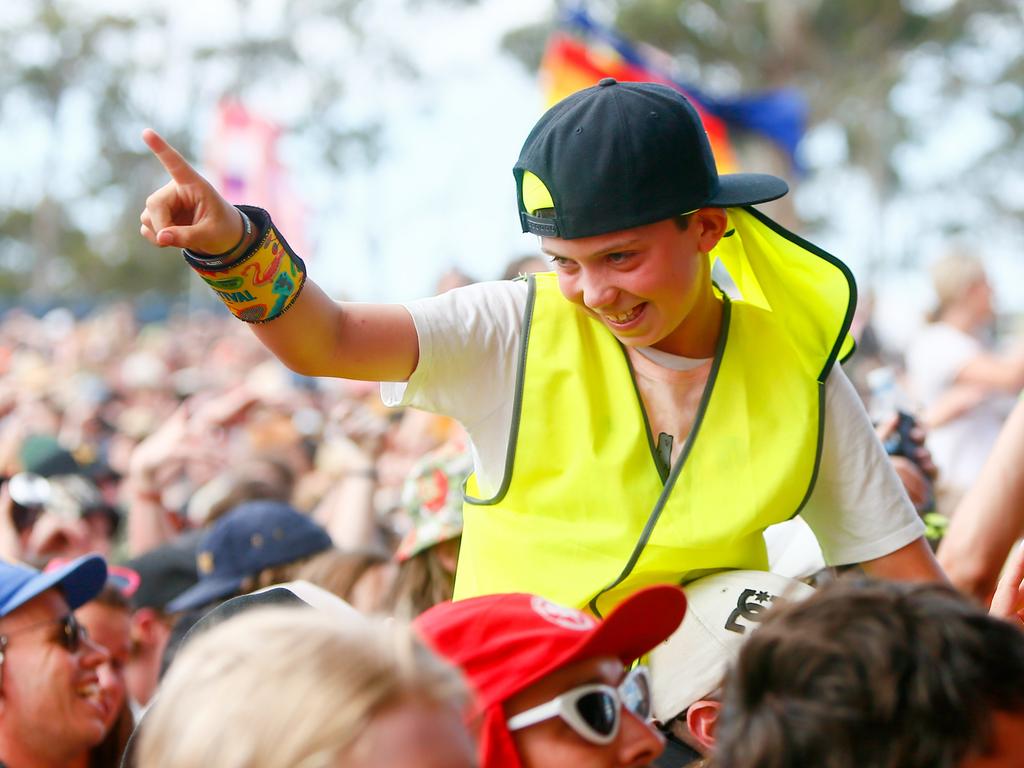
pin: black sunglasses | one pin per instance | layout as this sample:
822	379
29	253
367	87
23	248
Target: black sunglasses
71	635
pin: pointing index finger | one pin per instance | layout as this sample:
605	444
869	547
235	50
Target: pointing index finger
174	163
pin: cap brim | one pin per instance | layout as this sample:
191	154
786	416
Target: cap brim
289	594
80	581
319	598
204	593
747	189
637	625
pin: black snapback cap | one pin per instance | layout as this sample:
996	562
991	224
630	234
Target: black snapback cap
620	155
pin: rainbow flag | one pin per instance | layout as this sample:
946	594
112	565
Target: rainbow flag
570	65
582	51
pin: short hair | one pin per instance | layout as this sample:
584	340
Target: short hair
870	673
281	687
339	570
113	596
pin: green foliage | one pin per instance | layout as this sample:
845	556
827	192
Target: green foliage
69	226
526	44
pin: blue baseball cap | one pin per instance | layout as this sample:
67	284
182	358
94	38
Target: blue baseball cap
252	536
80	580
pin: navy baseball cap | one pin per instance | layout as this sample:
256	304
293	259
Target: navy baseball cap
252	536
620	155
80	580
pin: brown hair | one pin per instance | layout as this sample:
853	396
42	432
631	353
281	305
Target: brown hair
338	570
423	581
870	673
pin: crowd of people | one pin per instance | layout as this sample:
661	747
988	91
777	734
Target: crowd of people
614	513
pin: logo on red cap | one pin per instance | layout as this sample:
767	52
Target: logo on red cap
559	615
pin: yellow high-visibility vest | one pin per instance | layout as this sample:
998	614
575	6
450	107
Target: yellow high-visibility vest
583	516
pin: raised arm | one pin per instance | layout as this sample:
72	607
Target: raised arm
313	334
1003	373
990	517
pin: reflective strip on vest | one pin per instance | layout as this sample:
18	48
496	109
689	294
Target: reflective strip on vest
582	516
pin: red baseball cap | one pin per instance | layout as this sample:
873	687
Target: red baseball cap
505	643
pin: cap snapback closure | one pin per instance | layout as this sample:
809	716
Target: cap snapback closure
538	225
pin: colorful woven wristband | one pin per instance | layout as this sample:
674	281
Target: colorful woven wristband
264	282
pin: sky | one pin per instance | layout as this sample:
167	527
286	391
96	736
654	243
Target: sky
443	193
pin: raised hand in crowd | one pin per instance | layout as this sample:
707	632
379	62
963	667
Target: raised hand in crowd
990	517
12	541
315	336
192	442
1008	599
187	212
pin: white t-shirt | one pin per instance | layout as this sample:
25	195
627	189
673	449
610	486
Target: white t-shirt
960	446
469	343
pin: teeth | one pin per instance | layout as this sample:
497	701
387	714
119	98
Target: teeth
623	318
90	691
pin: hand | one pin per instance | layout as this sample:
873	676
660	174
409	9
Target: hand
1008	599
222	410
12	543
187	212
914	481
158	450
355	421
921	456
54	536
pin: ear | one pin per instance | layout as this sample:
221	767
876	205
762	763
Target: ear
142	626
701	718
710	224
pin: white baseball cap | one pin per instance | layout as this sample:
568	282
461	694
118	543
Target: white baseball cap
722	610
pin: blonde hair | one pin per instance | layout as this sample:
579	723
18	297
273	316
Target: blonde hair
952	276
287	688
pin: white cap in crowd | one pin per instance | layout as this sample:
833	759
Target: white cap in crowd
722	610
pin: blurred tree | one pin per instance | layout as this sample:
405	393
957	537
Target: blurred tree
886	78
78	83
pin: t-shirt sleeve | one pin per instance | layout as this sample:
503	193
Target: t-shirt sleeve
468	345
858	509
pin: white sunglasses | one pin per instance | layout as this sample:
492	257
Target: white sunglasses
594	711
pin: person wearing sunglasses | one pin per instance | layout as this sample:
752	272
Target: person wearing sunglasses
552	684
51	709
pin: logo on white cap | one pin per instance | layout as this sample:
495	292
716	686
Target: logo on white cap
559	615
749	606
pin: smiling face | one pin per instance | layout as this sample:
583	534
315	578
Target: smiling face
553	742
110	627
650	285
51	707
